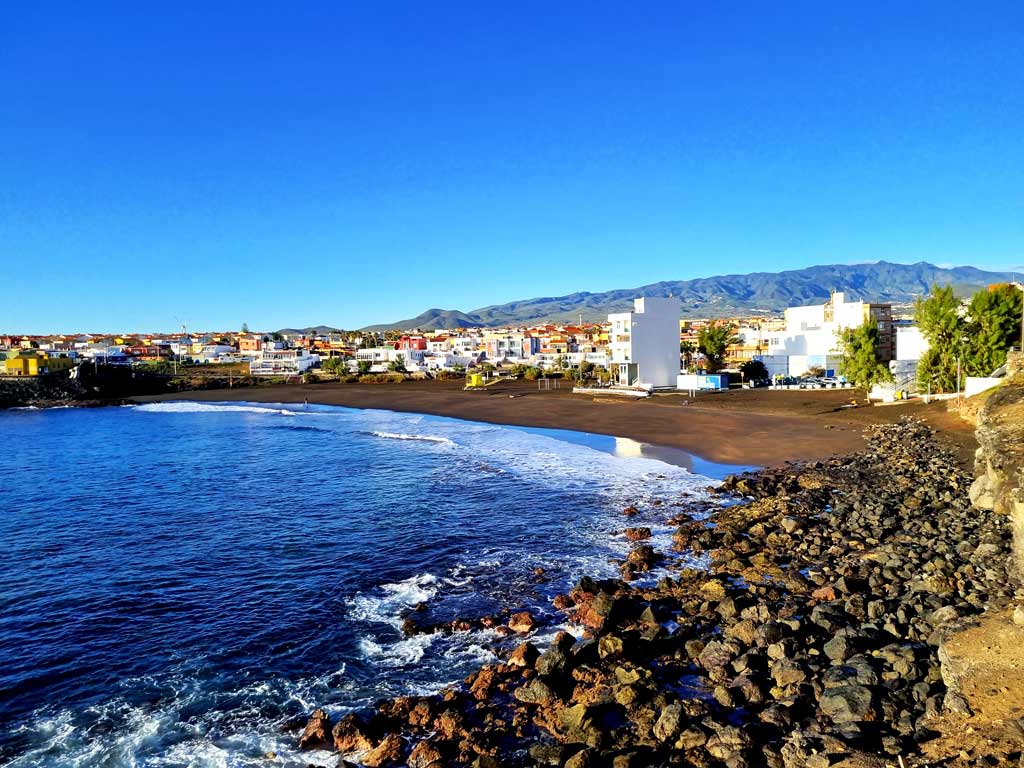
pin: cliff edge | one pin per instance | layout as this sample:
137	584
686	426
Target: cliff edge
999	461
982	660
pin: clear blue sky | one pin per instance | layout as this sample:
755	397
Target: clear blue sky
347	163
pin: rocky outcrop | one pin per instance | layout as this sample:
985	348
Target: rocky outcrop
86	384
999	462
812	639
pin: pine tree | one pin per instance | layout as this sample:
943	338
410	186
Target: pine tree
994	327
861	363
941	323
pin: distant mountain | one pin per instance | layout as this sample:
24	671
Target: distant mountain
317	329
726	295
434	318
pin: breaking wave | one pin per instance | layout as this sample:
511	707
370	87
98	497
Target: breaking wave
261	570
402	436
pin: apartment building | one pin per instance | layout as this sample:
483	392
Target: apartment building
644	343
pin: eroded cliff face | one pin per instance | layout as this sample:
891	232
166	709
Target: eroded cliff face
999	462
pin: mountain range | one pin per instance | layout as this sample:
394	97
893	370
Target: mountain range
767	292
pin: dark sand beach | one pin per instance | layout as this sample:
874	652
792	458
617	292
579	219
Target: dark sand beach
753	427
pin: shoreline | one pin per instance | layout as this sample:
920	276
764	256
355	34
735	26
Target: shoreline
812	638
740	427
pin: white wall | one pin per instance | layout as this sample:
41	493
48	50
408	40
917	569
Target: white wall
975	384
653	328
910	343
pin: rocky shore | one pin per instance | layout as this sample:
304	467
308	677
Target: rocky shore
813	639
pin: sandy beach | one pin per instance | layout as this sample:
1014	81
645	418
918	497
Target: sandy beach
758	427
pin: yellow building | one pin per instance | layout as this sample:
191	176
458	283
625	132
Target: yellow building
32	363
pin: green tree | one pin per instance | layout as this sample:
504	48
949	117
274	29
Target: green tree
993	327
336	365
586	369
753	370
687	349
942	324
278	337
861	363
397	365
245	327
712	341
364	366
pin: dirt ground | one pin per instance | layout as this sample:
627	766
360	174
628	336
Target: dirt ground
754	427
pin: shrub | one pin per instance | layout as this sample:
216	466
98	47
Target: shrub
447	375
531	373
351	378
310	378
381	378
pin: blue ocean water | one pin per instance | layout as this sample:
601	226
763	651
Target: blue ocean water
181	582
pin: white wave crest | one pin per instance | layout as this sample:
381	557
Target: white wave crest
403	436
187	406
401	654
388	602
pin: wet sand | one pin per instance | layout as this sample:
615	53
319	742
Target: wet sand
753	427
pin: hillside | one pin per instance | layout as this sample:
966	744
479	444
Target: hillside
726	294
315	329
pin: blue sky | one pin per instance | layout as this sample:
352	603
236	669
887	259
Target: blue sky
348	163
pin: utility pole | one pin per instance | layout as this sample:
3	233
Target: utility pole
958	380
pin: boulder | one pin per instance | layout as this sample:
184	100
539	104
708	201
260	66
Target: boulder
522	622
535	691
669	722
786	672
525	655
388	752
848	704
349	735
424	755
727	741
638	534
317	733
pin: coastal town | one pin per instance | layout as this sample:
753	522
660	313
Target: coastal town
635	353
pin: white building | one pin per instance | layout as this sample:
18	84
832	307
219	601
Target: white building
910	343
910	348
281	361
811	337
380	357
216	353
645	343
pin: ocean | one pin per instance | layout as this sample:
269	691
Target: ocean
184	582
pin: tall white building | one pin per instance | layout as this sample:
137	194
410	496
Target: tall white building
645	343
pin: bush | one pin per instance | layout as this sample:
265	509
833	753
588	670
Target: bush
532	374
351	378
381	378
447	375
310	378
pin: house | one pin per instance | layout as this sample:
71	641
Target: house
279	360
250	344
29	362
645	343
